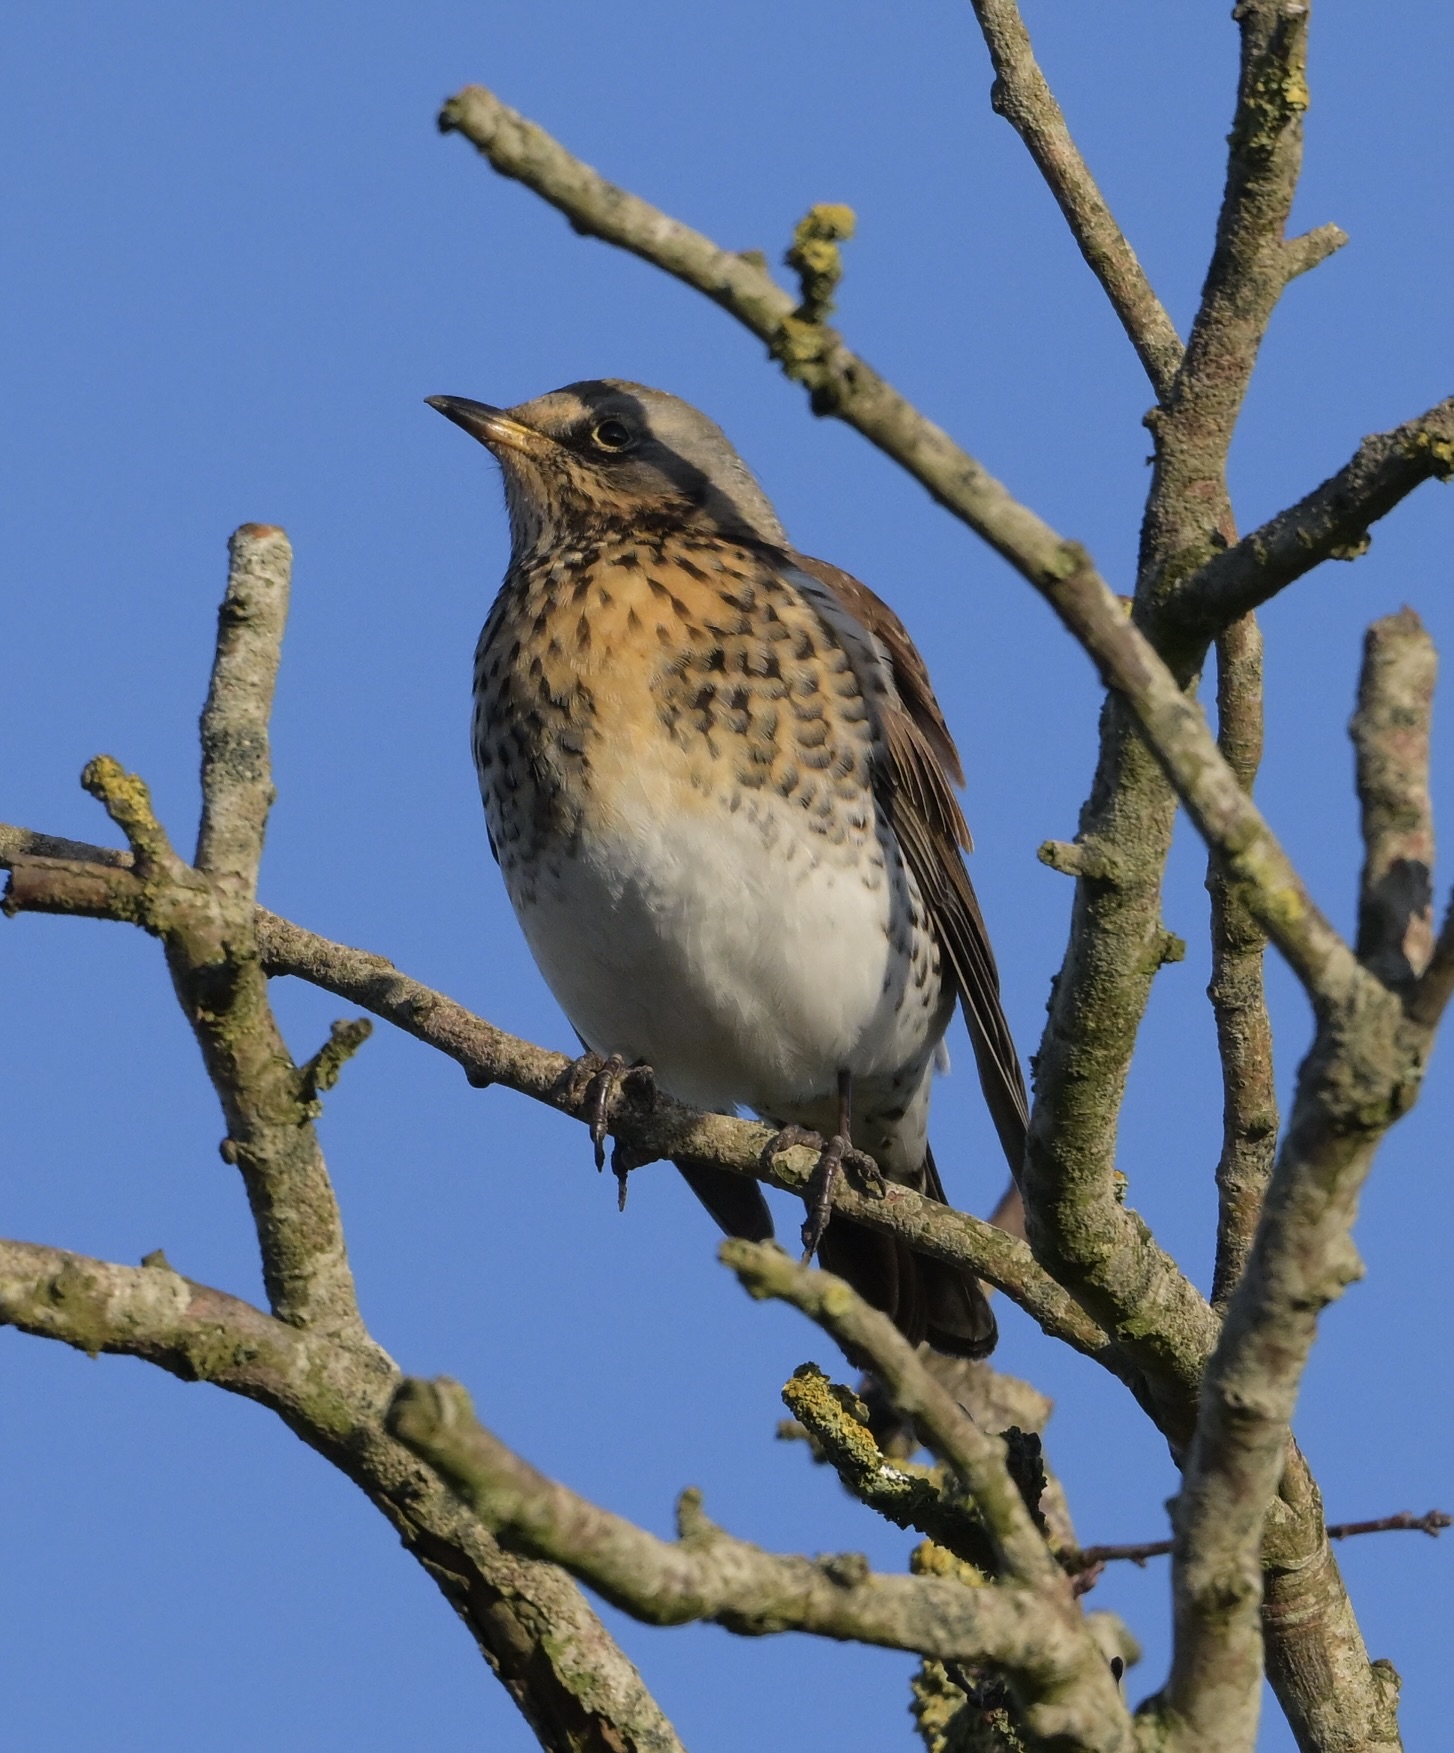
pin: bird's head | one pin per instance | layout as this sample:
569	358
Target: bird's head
608	453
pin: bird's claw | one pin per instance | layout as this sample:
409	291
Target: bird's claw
818	1194
833	1155
596	1083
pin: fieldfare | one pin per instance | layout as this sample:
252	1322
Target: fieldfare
718	786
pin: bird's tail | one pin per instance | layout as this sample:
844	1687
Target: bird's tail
924	1297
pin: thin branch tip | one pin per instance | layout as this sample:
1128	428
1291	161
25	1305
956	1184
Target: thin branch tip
1023	97
126	798
321	1073
1311	249
237	787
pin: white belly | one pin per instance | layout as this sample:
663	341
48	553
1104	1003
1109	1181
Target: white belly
745	959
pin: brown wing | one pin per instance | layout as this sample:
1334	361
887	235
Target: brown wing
930	827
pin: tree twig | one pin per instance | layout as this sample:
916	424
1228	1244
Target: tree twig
1023	97
206	922
873	1342
1251	265
1176	731
1432	1523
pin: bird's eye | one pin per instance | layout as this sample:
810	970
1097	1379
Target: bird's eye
611	435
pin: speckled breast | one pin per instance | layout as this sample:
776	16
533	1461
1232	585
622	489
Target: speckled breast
691	659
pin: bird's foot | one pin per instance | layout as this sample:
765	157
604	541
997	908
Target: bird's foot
595	1083
834	1154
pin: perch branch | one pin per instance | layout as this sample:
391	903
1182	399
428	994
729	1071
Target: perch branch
94	882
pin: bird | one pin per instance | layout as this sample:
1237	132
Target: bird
720	792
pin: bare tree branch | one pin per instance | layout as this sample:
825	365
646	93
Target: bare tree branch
1075	1220
1390	732
908	1496
565	1672
1250	267
237	781
1330	523
872	1341
706	1574
1176	731
810	352
1022	96
1244	1031
1027	1626
1362	1074
205	920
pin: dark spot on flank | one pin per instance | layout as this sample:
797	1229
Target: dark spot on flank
583	633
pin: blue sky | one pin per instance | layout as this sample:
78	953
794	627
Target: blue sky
239	257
